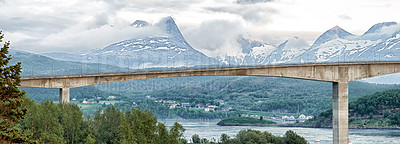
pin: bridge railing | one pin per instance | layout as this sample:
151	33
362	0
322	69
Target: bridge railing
90	68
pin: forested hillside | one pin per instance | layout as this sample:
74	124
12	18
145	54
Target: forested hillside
267	93
378	110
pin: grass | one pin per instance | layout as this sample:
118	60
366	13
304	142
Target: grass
91	108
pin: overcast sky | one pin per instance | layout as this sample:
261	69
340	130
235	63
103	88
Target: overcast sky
210	26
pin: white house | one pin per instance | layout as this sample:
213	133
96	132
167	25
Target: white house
111	97
302	117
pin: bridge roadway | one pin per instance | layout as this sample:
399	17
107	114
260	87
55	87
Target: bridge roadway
337	73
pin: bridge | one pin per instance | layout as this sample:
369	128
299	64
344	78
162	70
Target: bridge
337	73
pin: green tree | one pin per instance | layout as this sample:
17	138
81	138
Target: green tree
89	140
224	138
106	125
11	98
162	133
196	138
176	133
291	137
395	118
75	128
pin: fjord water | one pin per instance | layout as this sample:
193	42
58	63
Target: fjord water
210	130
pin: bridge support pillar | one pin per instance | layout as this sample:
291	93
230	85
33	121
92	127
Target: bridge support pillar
340	118
64	95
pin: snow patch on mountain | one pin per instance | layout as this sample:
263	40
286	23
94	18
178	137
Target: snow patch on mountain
331	34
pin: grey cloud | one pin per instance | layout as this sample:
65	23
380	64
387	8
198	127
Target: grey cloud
384	32
162	6
83	39
296	43
34	24
252	1
116	4
99	20
216	37
345	17
255	14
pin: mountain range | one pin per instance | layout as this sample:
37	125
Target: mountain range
170	49
167	50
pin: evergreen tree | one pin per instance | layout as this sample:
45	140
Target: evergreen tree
162	133
224	138
11	98
196	139
291	137
176	134
75	128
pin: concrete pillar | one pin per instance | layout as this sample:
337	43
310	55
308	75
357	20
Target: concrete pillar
64	95
340	118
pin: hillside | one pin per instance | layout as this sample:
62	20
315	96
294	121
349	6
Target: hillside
378	110
38	65
266	94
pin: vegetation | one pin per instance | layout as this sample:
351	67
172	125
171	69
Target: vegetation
237	121
254	137
64	123
379	110
11	109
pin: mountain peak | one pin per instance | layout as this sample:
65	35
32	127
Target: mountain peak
378	26
139	24
336	28
170	27
331	34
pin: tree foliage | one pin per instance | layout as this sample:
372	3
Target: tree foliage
47	122
10	97
380	106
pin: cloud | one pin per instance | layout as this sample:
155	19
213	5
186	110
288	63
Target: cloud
73	25
160	6
383	33
389	30
345	17
252	1
296	43
77	39
216	37
35	24
251	13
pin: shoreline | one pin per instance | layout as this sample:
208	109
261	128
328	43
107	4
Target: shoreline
386	128
266	125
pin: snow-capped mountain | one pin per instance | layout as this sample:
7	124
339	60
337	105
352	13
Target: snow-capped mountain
260	53
337	45
331	34
170	49
379	43
167	50
253	53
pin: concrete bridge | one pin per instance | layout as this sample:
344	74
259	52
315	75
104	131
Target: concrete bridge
337	73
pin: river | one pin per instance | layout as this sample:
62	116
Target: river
209	130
